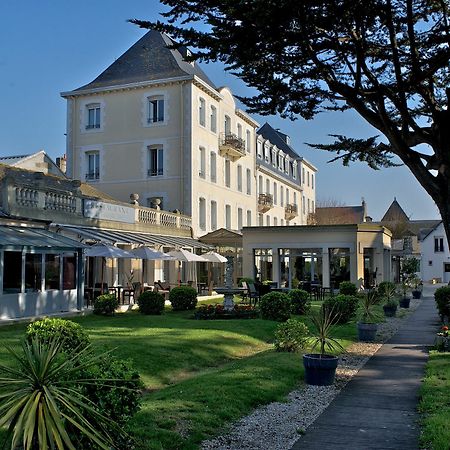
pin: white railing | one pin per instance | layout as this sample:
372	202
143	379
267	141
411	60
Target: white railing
60	202
163	218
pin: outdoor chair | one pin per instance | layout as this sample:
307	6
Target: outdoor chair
253	293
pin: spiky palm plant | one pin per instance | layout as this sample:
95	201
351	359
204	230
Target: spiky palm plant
323	323
40	395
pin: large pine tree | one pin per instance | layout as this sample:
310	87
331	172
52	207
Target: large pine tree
386	59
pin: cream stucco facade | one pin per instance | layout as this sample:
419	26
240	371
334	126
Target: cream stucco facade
165	132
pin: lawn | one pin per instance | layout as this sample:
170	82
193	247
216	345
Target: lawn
199	375
435	403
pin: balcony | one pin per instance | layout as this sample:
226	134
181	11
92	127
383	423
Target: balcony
232	146
290	211
265	202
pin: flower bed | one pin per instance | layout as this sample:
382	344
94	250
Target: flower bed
210	312
443	340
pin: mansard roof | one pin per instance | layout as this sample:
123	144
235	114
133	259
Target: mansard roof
279	139
149	59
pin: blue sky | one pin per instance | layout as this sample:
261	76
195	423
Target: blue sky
52	46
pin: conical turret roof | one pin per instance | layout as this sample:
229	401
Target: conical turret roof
395	213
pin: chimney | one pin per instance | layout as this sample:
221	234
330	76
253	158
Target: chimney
61	162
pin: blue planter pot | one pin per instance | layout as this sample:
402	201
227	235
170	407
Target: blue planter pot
404	302
320	370
367	331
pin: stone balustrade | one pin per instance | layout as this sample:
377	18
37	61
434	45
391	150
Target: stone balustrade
163	218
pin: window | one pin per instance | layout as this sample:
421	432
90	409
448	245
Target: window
287	196
275	193
294	170
239	178
202	112
202	213
69	271
249	181
239	130
266	153
268	221
260	220
249	218
248	141
307	176
309	206
227	125
213	167
12	272
295	198
430	263
228	217
260	185
33	272
274	157
155	161
267	186
213	215
93	116
312	206
275	221
202	162
312	181
280	161
281	196
155	109
213	119
239	218
438	244
304	205
52	266
227	173
303	175
259	149
93	165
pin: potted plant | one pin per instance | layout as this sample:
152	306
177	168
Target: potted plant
368	324
388	295
409	268
390	307
417	287
320	368
404	288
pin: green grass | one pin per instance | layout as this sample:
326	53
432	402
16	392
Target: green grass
435	403
199	375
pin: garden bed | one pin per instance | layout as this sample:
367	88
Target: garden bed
218	312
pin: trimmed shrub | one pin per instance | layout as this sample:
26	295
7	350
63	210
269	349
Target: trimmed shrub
72	334
183	298
151	302
116	392
275	306
105	304
347	288
343	306
442	299
299	301
291	336
386	287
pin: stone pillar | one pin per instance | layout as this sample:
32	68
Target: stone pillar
275	266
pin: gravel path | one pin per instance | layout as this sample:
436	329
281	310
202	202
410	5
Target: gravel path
277	426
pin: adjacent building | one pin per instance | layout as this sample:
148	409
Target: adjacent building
154	125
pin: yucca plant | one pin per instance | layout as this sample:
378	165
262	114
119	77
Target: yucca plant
368	312
41	395
323	325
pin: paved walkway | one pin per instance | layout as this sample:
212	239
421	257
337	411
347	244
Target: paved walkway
377	409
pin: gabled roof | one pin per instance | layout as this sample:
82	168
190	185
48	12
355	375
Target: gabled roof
14	159
279	139
149	59
21	160
426	232
395	213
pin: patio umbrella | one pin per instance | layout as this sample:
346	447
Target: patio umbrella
212	257
185	256
107	251
147	253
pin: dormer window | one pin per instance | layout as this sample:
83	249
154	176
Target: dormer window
155	109
93	116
